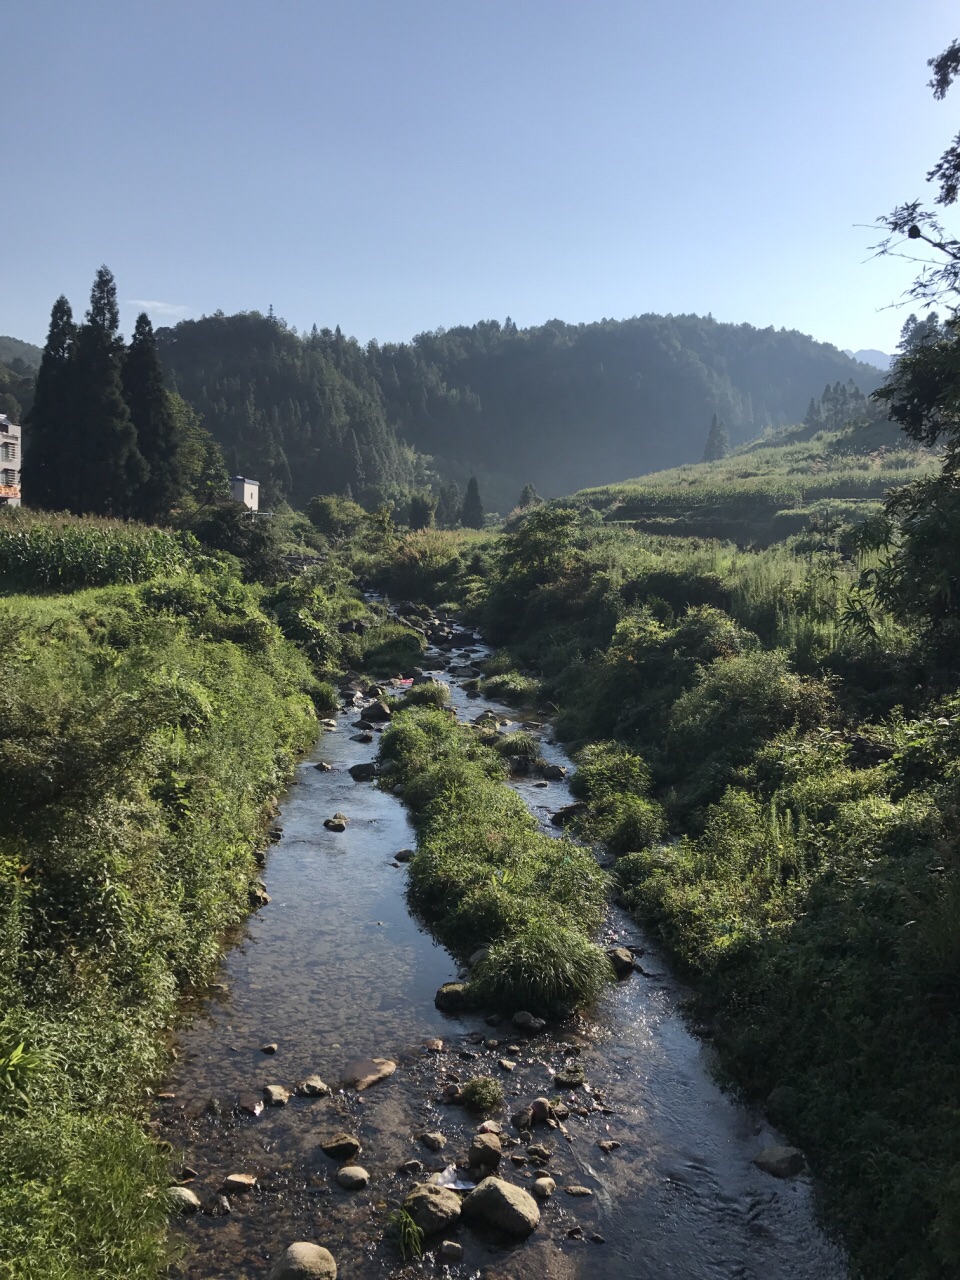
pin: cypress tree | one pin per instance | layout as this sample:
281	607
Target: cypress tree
471	515
158	437
718	442
48	467
529	497
109	468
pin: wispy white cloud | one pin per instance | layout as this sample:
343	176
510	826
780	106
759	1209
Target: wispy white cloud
159	308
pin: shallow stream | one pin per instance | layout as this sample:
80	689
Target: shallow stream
335	969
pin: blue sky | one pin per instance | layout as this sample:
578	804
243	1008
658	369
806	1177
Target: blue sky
396	166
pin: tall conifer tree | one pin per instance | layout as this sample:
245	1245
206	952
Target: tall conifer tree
51	437
158	436
110	470
471	516
718	442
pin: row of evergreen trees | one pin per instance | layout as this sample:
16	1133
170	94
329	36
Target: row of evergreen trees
105	437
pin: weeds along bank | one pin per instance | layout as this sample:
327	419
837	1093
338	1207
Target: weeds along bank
776	768
146	728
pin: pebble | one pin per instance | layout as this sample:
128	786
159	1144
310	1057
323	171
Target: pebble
450	1251
183	1200
434	1141
543	1188
238	1184
276	1095
352	1177
268	1048
576	1190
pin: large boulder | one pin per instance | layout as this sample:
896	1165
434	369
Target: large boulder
780	1162
304	1261
432	1208
364	772
452	997
363	1072
375	711
342	1146
496	1203
485	1151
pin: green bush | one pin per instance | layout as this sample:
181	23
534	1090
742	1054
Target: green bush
541	966
390	648
435	694
482	1093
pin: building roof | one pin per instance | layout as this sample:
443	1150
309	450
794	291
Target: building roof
243	480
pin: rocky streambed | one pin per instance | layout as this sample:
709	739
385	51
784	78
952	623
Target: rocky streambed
312	1088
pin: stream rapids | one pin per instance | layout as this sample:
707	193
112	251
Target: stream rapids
336	968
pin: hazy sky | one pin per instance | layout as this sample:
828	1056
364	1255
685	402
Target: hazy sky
398	165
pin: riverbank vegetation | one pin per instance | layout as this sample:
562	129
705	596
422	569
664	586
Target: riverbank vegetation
152	706
767	740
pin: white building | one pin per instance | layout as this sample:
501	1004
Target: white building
11	449
246	491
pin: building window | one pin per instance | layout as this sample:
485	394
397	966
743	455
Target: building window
8	451
8	476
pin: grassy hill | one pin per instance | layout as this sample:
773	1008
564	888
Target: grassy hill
771	488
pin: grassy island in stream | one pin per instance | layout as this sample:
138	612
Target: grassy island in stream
484	876
146	728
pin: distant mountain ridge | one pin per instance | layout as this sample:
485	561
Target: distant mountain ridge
14	349
879	359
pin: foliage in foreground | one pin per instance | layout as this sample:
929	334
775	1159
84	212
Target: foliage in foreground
144	733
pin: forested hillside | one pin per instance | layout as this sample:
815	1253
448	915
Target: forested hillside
558	405
301	415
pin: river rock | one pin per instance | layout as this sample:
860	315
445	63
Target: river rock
323	766
238	1184
363	772
568	813
541	1110
433	1208
183	1200
452	997
376	711
527	1022
543	1187
276	1095
364	738
405	855
781	1162
536	1151
450	1251
342	1146
313	1087
554	772
485	1151
500	1204
569	1077
434	1141
622	960
269	1048
336	824
363	1072
352	1177
304	1261
607	1145
574	1189
249	1104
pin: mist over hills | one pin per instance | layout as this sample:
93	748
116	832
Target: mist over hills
559	405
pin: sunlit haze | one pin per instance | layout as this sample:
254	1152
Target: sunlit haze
397	167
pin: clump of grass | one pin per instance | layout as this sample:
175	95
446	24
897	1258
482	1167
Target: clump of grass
436	694
521	744
482	1093
512	687
409	1235
543	965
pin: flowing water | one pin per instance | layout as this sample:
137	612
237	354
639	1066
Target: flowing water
335	968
